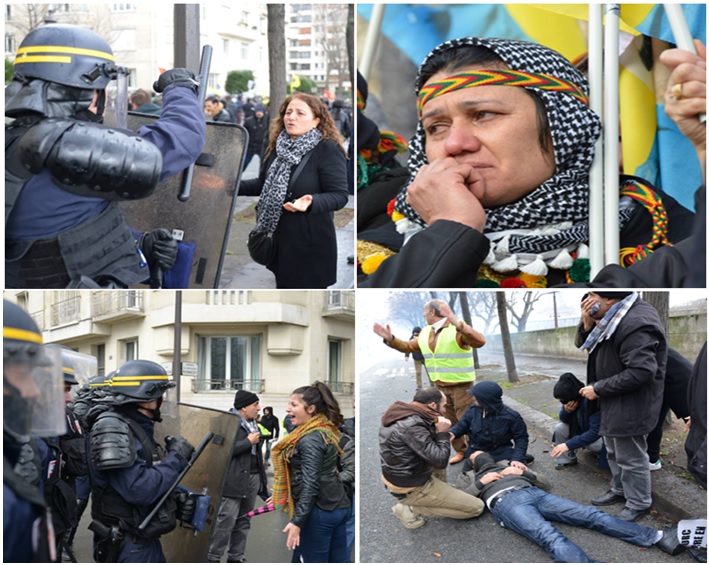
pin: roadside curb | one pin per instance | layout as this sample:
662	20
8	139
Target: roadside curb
675	498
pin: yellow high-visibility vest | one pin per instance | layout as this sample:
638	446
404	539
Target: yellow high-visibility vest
450	363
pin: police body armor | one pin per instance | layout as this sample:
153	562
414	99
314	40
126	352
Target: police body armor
89	160
112	446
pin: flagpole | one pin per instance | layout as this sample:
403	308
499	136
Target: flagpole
680	29
372	40
611	115
595	81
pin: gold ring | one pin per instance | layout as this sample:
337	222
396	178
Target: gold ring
677	91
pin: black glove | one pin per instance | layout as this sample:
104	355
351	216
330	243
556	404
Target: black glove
178	77
159	248
186	506
179	445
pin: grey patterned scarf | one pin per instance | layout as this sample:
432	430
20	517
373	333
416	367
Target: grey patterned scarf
561	201
289	152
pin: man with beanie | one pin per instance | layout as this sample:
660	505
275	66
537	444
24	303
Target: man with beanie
414	449
627	350
244	481
447	347
518	503
493	427
418	358
580	422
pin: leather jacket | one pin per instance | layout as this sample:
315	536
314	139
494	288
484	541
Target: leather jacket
314	478
410	448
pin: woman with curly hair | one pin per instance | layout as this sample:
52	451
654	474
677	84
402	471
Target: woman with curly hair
306	483
303	180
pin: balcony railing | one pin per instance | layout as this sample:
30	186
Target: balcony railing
38	318
65	312
108	303
202	385
341	299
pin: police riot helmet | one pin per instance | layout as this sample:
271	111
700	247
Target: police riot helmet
68	372
140	381
66	54
33	391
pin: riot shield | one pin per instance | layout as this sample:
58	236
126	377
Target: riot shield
206	476
201	223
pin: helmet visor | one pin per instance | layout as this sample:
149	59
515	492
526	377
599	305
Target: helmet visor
33	395
117	94
80	365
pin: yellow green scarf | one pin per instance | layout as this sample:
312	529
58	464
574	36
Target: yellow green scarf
282	452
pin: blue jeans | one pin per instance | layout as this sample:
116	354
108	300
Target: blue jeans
527	512
323	537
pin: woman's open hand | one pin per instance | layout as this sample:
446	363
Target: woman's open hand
300	205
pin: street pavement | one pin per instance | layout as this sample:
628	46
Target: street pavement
384	540
240	271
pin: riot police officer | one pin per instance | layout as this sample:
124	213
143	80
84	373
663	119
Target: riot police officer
68	456
65	171
30	378
129	470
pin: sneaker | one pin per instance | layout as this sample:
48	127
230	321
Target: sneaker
407	517
656	466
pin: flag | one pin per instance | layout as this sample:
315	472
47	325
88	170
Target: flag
294	82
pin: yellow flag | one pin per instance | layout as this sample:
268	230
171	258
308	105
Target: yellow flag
294	81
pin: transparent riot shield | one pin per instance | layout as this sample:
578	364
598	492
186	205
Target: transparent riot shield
206	476
202	222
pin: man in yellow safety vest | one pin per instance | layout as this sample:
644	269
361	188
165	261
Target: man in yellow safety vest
447	347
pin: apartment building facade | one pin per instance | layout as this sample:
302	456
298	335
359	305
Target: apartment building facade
269	342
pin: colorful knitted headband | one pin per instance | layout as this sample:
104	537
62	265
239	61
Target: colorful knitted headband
499	78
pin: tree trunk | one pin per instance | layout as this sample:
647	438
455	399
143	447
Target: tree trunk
350	48
277	56
506	340
465	307
661	302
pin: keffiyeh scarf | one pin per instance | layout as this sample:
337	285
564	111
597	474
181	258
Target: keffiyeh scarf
289	152
604	328
282	452
551	221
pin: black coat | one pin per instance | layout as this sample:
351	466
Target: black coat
432	258
258	133
236	481
306	243
696	444
627	372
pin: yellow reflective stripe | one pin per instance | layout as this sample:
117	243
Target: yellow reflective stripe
64	49
146	378
43	59
68	370
22	335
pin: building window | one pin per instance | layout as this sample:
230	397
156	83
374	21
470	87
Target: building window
66	307
10	43
229	363
244	50
334	361
99	351
8	12
130	349
225	46
123	7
